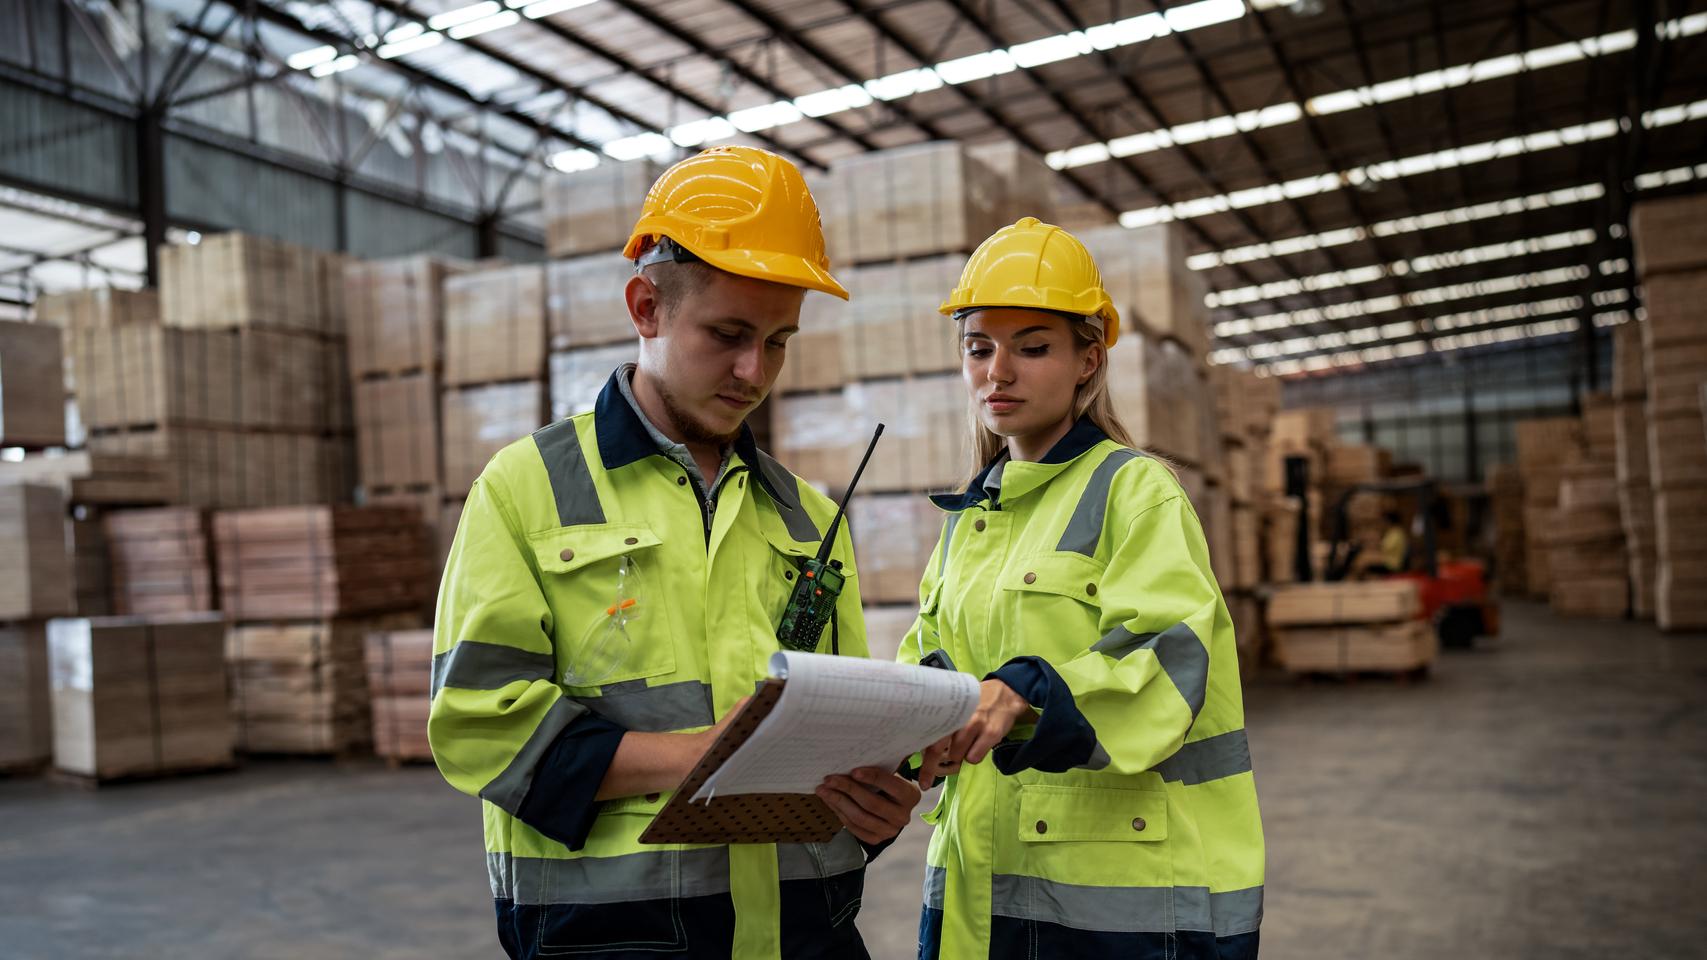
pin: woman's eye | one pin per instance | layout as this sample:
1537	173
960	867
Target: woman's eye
1035	351
978	352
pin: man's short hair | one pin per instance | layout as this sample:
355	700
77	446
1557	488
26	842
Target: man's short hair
676	282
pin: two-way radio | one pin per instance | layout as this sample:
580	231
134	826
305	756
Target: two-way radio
820	582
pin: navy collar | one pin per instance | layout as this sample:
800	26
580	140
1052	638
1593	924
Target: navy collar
624	439
1083	436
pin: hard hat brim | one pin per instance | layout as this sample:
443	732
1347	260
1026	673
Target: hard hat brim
783	268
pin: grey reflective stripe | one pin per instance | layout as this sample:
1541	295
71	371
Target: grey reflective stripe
947	539
785	492
508	789
1212	758
1084	528
1126	909
1182	655
671	706
572	484
472	665
936	879
651	875
1099	758
815	861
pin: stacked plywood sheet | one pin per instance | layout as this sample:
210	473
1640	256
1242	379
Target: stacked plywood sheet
1505	495
1351	627
480	421
26	738
1544	448
159	561
1025	184
891	327
809	435
1586	561
319	562
910	201
32	385
91	567
87	477
400	687
302	687
886	627
1671	255
234	279
895	534
578	376
585	304
1635	493
1161	396
590	211
396	313
495	367
139	696
1145	272
925	443
35	564
397	434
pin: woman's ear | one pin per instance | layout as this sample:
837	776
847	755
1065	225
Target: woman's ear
1093	357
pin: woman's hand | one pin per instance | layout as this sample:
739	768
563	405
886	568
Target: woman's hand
873	804
999	708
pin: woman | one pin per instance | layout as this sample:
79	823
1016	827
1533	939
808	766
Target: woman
1117	815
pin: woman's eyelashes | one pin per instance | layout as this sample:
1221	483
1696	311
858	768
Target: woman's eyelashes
979	352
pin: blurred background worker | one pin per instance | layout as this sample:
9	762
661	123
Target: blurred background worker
615	586
1395	545
1072	575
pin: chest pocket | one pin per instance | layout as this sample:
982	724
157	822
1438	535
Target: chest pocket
1056	590
606	588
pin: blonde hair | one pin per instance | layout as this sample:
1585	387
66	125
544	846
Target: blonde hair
1090	399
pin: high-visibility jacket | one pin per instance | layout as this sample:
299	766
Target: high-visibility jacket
559	532
1124	822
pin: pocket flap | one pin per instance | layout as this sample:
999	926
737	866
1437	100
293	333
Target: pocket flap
1066	575
1049	813
571	548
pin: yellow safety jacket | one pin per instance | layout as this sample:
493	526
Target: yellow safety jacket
585	526
1125	822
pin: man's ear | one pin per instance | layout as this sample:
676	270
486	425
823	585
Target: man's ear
643	306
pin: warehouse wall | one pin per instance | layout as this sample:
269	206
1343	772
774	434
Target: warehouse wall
1419	410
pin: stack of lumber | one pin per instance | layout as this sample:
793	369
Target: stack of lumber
895	534
35	566
1351	627
1586	562
1145	272
591	211
319	562
910	201
400	687
159	561
26	737
139	697
1544	448
302	687
32	385
87	477
91	567
1635	491
579	375
495	367
585	305
1505	496
1161	395
887	625
1671	257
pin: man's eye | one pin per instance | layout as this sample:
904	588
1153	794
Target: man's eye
727	336
776	344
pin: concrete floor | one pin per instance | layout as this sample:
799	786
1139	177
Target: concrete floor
1538	798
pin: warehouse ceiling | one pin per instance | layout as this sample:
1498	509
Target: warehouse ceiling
1362	181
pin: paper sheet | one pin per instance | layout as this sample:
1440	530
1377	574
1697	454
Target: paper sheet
839	713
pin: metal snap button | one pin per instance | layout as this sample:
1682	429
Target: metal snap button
681	481
1091	588
978	526
1031	578
653	797
1042	827
1138	824
631	541
567	555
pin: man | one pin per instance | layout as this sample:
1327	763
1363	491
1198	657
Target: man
615	587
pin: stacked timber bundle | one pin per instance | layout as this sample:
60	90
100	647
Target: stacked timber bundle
400	685
1351	627
160	561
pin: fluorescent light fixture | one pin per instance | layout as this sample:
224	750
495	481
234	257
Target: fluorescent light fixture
978	66
573	160
405	32
545	8
903	84
640	145
460	15
1193	16
497	21
346	62
765	116
826	102
695	132
1062	46
411	45
312	57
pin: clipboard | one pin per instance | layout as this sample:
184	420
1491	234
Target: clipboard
744	818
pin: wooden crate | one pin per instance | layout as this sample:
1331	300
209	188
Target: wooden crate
32	385
302	687
585	303
1145	273
139	697
396	313
319	562
579	376
1670	234
895	534
1382	648
594	210
909	201
26	733
35	566
397	431
891	326
1161	396
480	421
1369	601
90	477
495	325
235	279
160	563
400	673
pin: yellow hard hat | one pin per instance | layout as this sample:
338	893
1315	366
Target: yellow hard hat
1040	266
742	210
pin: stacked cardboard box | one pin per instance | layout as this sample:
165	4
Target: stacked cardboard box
159	561
495	367
1635	494
32	385
1586	563
1544	448
35	566
1505	496
26	738
139	696
302	687
1671	256
1351	627
400	687
590	211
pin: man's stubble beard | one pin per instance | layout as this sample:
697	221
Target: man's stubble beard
683	419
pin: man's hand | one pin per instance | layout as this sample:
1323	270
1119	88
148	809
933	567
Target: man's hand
999	708
874	804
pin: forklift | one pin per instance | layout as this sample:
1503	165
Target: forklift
1454	594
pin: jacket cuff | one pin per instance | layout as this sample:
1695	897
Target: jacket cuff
1063	738
559	802
873	849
